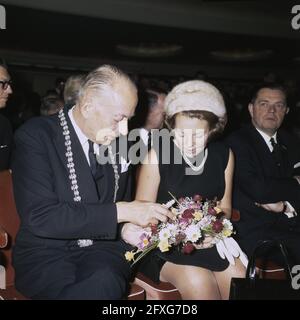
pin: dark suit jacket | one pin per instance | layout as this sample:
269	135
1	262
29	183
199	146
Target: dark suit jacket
257	179
6	143
50	219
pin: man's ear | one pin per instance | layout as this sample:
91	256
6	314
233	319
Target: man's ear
86	107
85	110
250	108
287	110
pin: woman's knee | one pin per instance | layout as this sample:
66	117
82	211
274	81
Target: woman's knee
191	280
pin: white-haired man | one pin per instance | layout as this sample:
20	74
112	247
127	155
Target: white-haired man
70	204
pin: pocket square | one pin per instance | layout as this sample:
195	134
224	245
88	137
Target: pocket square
3	146
297	165
124	165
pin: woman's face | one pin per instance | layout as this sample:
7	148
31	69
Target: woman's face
191	134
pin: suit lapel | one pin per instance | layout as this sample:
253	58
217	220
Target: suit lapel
85	181
267	160
284	152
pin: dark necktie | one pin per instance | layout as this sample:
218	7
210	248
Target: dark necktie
92	158
96	170
277	154
149	141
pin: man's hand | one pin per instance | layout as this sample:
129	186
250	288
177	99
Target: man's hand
131	233
297	178
274	207
143	213
229	249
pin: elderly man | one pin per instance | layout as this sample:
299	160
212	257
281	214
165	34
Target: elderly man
266	188
6	136
68	245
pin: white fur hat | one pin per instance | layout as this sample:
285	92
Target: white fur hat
195	95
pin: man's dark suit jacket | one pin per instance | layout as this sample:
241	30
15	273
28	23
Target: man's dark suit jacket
257	180
50	219
6	143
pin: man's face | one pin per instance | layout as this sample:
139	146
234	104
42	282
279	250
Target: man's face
108	109
268	110
4	92
155	116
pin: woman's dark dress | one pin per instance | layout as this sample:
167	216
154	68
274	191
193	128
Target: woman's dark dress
210	183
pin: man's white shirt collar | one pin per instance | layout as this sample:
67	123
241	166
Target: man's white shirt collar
267	138
144	135
83	139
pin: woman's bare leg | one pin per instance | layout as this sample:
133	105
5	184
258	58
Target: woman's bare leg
223	278
193	283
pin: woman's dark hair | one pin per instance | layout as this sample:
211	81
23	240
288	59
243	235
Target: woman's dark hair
216	125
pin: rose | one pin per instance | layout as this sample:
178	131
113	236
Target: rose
188	214
197	198
154	229
217	226
212	211
188	248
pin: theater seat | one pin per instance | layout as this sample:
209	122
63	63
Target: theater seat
157	291
9	224
136	292
265	268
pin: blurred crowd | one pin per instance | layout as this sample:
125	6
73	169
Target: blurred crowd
24	104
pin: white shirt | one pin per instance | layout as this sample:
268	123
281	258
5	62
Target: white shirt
267	138
83	139
144	136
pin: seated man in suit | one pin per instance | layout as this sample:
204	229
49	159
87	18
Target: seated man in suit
71	202
266	184
6	135
148	119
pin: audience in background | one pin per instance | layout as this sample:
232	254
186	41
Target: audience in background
24	105
149	115
72	88
6	136
51	104
59	86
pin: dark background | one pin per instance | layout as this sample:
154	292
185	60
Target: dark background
234	44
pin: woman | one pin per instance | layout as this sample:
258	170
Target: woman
195	112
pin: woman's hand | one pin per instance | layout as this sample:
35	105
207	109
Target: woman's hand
205	244
131	233
274	207
142	213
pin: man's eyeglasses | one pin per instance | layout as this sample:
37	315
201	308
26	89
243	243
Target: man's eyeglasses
5	84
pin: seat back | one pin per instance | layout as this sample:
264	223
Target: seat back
266	269
9	221
157	291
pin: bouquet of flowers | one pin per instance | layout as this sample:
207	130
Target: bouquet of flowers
195	219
